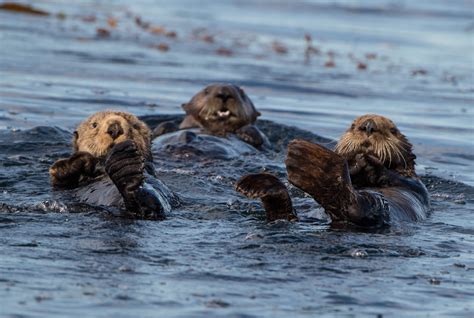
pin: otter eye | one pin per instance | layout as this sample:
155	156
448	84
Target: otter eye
136	126
94	125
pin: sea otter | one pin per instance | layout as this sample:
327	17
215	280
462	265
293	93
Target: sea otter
112	167
219	110
368	181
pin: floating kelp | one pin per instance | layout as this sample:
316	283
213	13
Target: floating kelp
22	8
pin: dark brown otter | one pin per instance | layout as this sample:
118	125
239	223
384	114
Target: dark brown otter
370	180
112	165
219	109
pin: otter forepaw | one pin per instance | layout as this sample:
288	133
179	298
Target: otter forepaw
68	172
357	164
251	135
271	191
125	167
367	170
124	163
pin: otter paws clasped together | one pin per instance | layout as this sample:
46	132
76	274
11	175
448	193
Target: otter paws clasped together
368	181
112	167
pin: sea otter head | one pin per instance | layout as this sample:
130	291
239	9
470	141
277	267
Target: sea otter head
378	136
221	108
101	131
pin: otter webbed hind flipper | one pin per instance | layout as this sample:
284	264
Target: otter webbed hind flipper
126	168
165	128
271	191
324	175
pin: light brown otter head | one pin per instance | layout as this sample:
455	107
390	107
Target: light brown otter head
101	131
379	136
221	108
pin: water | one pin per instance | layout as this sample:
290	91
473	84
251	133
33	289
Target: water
216	256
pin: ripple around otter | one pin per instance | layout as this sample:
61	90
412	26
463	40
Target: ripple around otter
215	240
216	256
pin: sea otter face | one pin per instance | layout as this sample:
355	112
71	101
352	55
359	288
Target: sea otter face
379	136
222	108
101	131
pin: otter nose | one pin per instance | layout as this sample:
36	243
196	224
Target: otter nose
369	127
224	94
115	130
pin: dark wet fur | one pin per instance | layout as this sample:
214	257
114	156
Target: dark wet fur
70	172
326	176
271	191
219	109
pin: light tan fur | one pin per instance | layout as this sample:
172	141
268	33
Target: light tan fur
91	135
386	142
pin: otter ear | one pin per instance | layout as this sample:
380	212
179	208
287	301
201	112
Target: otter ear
74	140
186	107
190	108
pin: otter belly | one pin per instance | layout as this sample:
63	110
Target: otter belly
405	205
192	143
103	193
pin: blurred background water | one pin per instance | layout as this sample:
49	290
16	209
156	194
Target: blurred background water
315	65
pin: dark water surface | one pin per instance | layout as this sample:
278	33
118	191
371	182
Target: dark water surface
409	60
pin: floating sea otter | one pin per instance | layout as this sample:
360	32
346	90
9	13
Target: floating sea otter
369	180
221	110
112	167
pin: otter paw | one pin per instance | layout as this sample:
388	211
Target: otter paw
251	135
68	172
125	165
357	163
271	191
367	170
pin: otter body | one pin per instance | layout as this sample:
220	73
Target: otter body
112	167
102	192
368	181
194	143
218	111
